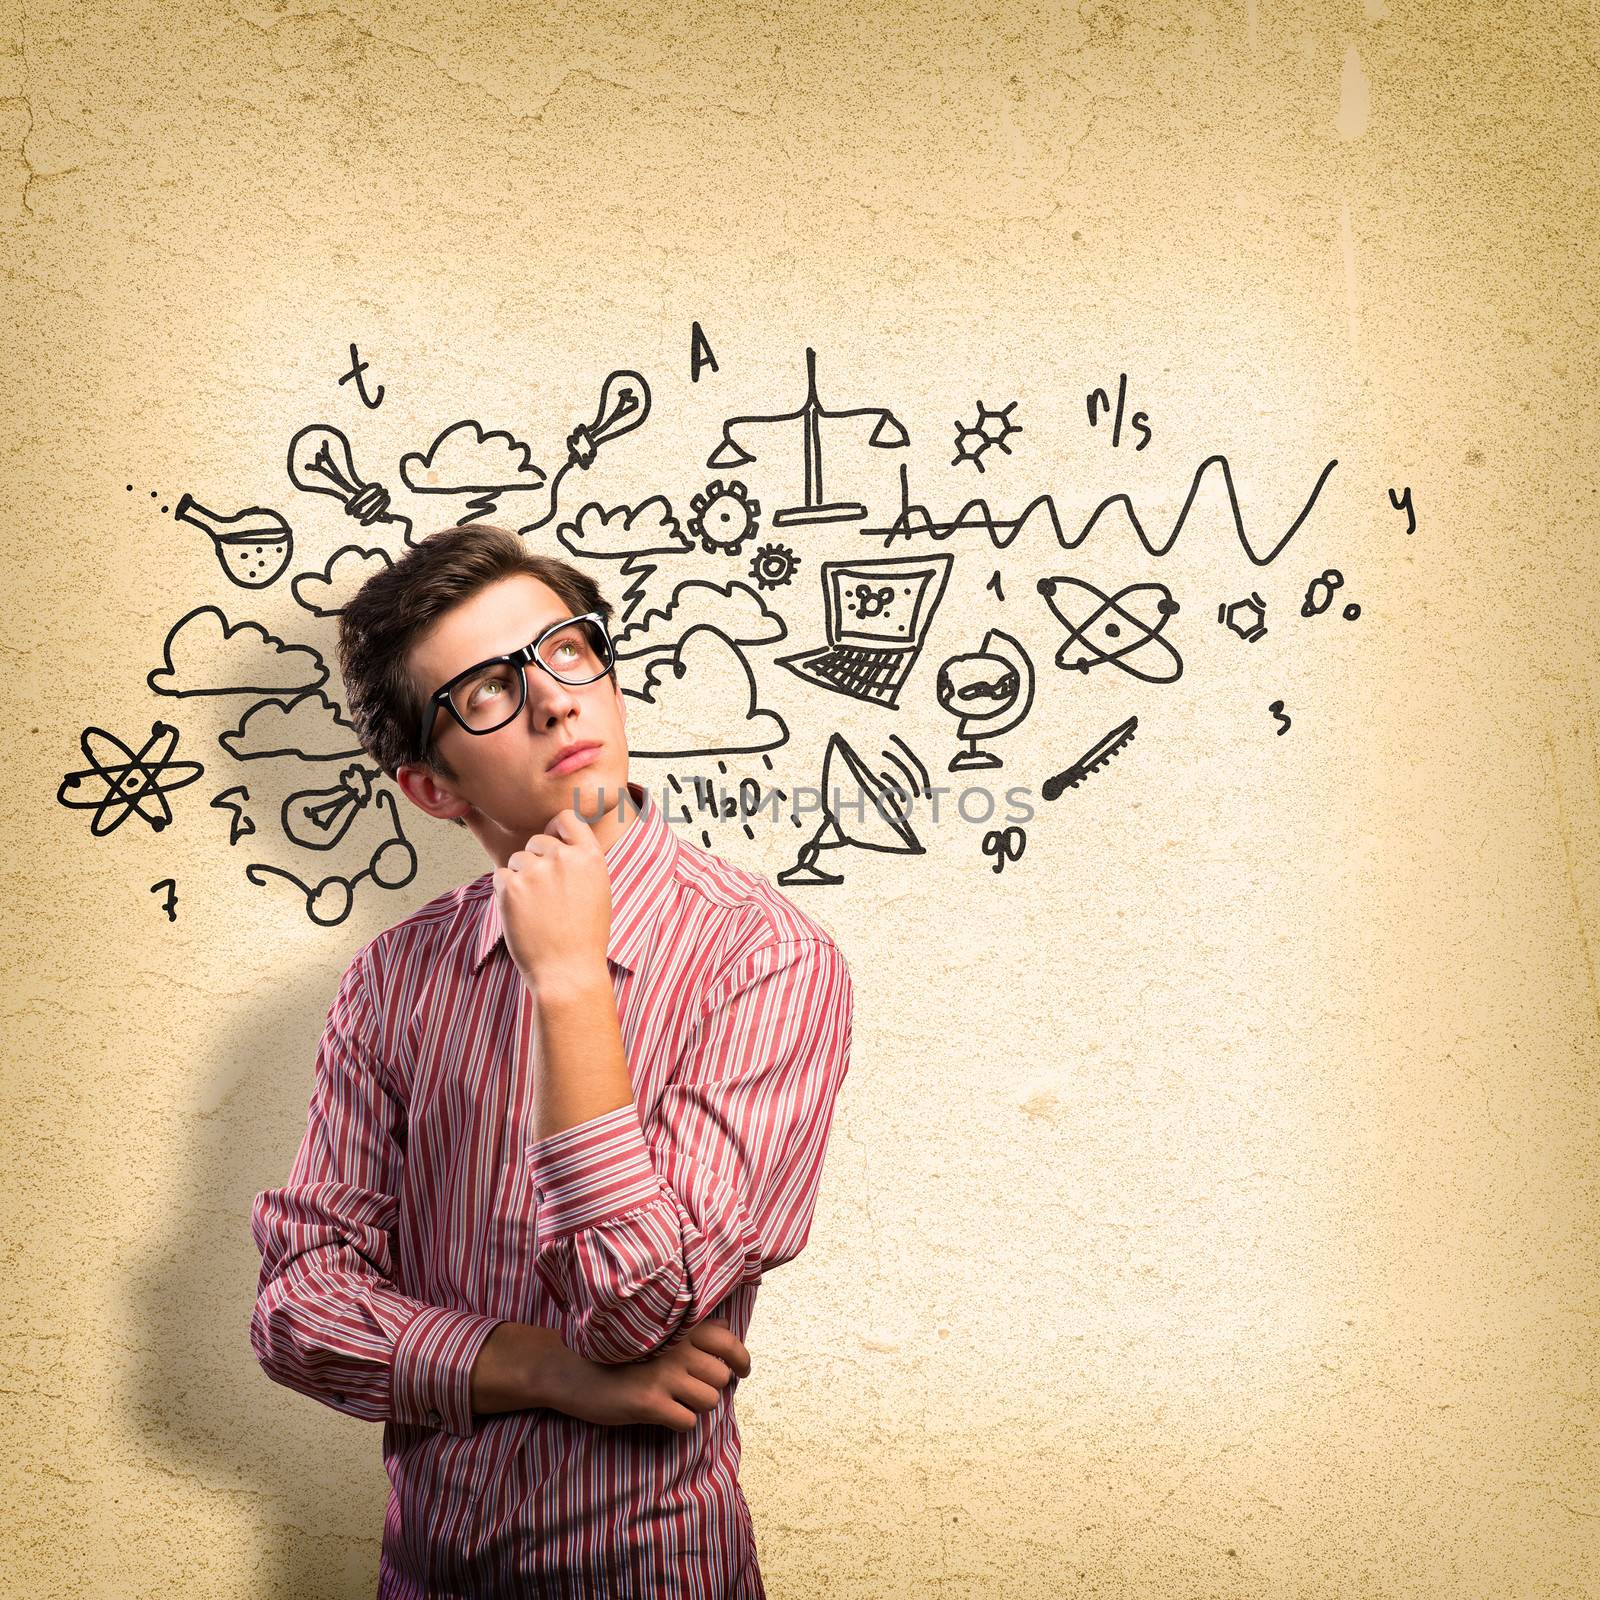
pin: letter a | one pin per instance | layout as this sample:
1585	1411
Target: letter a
699	354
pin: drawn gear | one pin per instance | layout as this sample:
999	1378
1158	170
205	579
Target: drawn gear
725	517
773	566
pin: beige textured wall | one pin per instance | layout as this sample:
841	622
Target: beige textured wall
1210	1209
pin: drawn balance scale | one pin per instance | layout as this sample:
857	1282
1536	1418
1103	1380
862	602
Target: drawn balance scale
887	434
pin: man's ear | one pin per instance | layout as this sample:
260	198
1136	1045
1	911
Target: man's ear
423	787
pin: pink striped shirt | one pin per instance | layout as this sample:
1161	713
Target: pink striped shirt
420	1211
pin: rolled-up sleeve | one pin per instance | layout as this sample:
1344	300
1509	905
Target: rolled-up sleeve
644	1229
328	1319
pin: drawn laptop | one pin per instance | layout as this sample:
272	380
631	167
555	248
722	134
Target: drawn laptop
878	614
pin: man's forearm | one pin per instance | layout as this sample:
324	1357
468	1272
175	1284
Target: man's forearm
584	1068
519	1366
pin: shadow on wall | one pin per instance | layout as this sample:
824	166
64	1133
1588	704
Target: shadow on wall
313	1477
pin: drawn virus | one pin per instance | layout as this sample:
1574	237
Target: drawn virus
724	517
773	566
991	428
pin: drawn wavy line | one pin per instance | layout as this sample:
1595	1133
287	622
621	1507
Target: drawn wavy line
1194	488
977	515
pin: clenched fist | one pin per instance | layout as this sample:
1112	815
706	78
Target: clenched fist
554	896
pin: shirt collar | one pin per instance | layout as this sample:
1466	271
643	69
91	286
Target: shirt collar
640	862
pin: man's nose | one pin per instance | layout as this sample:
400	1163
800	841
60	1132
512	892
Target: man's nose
549	698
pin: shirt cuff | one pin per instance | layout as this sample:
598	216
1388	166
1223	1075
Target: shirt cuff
430	1376
591	1171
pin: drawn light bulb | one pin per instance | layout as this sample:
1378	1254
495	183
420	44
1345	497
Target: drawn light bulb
320	463
319	818
624	404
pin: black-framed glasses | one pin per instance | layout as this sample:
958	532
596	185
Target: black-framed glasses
487	696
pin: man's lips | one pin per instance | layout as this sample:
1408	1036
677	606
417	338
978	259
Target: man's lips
577	755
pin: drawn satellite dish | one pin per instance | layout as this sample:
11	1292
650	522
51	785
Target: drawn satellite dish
884	824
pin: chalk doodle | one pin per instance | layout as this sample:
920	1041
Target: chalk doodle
1041	512
1122	630
974	440
701	701
1402	502
878	614
170	904
357	367
252	546
203	650
773	566
327	593
1099	402
697	654
1319	596
725	517
623	532
975	516
887	434
749	800
623	405
1091	761
232	801
881	821
319	818
990	690
700	353
329	901
155	494
119	783
464	459
320	462
1005	844
1247	618
1155	549
735	609
309	727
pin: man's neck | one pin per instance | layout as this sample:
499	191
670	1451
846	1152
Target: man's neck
615	821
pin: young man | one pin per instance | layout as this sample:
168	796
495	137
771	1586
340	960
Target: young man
564	1119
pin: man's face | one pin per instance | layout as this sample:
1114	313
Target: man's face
505	775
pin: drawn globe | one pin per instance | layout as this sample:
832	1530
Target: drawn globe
978	686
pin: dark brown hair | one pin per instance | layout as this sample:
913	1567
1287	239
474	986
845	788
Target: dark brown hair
395	607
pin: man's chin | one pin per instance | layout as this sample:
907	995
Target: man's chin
589	797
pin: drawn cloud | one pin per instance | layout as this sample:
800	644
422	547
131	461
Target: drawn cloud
647	529
308	726
734	609
700	702
465	458
205	654
327	593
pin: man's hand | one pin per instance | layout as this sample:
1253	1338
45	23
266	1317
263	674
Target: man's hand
670	1388
521	1366
554	896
